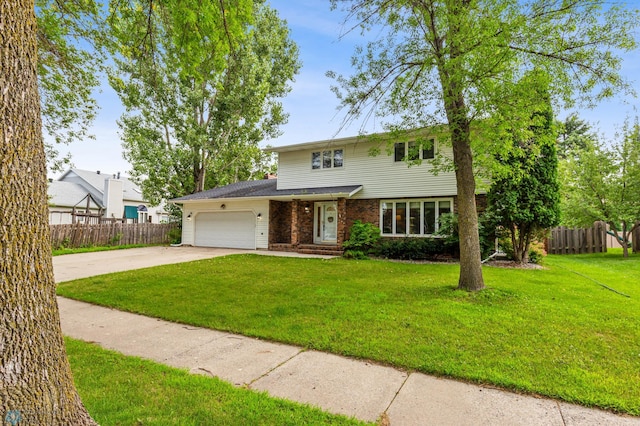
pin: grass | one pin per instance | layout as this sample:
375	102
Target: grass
550	332
62	251
120	390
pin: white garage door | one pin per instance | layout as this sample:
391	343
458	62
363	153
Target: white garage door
226	229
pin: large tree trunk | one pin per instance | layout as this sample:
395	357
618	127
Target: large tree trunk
36	386
470	262
456	110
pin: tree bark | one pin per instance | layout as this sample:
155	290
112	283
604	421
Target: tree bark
456	111
36	386
470	257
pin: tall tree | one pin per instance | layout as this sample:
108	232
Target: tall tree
602	182
36	386
70	39
459	61
201	91
525	193
574	134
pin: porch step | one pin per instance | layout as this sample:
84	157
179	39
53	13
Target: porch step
281	247
321	252
326	250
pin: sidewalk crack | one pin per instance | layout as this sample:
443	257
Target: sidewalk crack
564	421
248	385
395	396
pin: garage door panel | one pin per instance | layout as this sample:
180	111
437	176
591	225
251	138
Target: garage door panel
226	229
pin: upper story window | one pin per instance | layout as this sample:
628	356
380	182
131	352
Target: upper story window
403	149
330	158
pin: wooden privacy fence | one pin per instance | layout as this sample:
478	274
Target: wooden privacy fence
565	240
105	234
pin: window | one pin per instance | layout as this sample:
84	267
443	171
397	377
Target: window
315	160
327	159
429	152
413	217
398	151
403	149
386	210
337	158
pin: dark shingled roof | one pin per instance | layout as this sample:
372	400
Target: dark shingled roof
263	188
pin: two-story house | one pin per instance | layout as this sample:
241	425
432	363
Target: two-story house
321	189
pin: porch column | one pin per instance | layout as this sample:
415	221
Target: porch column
342	221
295	225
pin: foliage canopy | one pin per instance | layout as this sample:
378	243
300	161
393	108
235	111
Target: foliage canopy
70	41
602	182
201	88
526	198
461	62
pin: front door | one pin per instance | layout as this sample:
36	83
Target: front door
325	224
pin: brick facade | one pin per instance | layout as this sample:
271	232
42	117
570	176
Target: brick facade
291	222
279	222
305	221
367	211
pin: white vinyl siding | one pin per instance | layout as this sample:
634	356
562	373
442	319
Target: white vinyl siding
380	175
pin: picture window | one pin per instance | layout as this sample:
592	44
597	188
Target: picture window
413	217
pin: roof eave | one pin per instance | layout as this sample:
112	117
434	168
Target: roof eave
279	197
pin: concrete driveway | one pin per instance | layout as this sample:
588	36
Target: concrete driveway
83	265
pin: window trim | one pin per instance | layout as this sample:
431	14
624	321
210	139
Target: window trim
321	156
407	202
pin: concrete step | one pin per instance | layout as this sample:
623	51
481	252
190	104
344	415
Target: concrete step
321	252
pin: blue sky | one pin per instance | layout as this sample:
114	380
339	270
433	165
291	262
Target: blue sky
312	107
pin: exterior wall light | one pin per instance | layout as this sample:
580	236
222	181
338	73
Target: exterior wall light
259	216
189	216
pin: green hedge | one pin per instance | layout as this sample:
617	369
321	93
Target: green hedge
413	248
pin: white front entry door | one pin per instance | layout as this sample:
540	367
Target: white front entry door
325	224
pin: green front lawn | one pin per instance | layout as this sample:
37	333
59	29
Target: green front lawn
120	390
551	332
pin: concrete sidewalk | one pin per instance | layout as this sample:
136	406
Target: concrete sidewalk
333	383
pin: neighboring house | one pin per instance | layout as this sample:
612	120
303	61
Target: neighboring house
321	189
81	195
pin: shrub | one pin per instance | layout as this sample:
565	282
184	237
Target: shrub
448	229
535	256
115	240
61	245
362	238
175	235
355	254
413	248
